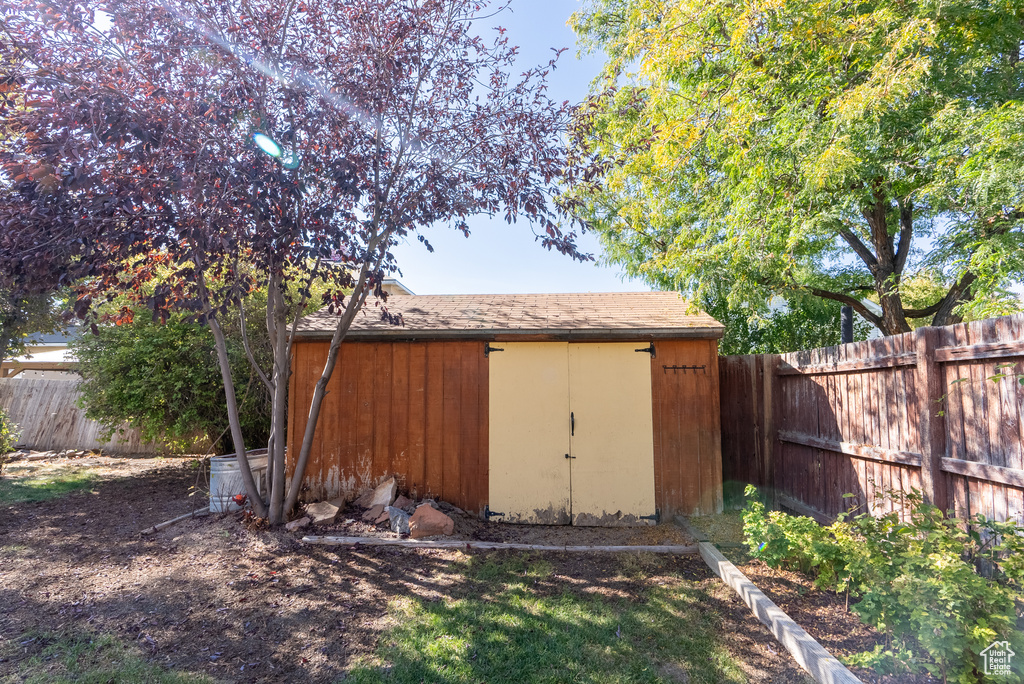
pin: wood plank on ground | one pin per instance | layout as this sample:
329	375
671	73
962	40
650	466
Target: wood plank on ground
808	653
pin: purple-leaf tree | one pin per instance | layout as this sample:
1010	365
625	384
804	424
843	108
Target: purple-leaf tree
236	144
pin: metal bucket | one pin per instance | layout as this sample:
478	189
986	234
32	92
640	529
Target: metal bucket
226	479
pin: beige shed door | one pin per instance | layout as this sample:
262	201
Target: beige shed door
612	439
590	401
529	432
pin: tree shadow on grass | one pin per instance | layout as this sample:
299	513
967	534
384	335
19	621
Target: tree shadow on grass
519	620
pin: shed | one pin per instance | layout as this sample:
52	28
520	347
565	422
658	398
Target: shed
589	409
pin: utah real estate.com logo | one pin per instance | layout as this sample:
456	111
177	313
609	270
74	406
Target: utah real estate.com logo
997	658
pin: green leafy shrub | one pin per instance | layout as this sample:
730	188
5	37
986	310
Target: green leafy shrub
8	438
918	579
163	379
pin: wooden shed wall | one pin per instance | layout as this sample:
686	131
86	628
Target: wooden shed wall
418	411
415	410
687	434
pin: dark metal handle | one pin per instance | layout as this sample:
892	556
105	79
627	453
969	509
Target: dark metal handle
568	456
572	423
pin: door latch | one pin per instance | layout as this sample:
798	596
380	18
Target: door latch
568	456
572	423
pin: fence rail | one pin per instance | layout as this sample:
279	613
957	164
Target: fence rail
938	409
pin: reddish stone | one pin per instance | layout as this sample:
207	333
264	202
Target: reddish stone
372	514
429	522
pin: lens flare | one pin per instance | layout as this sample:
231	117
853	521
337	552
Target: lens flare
267	144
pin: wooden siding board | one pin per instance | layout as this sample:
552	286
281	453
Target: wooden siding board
434	445
398	444
451	438
375	421
687	437
416	461
470	421
364	357
483	436
714	427
314	366
381	410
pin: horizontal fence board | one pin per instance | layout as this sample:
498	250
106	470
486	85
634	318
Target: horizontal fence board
800	508
974	352
939	410
981	471
865	451
852	366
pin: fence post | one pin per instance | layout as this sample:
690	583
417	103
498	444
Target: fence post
769	431
931	418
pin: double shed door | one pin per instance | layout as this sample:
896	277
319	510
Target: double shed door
571	434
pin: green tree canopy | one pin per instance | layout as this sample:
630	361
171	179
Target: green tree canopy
821	147
25	314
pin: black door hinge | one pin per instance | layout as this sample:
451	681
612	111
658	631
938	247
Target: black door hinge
649	350
488	349
656	517
488	513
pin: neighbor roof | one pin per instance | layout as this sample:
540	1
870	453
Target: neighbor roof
602	315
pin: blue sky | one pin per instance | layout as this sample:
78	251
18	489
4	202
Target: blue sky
502	258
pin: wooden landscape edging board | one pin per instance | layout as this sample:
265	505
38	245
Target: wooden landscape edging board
467	545
810	655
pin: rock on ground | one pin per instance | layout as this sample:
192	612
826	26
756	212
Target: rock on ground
373	513
322	513
405	503
364	499
299	524
385	494
429	522
399	519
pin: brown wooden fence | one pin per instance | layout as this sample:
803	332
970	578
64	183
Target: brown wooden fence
46	411
939	409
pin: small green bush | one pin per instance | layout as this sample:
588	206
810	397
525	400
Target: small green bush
9	434
918	580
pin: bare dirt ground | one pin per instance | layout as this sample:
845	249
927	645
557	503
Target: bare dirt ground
210	596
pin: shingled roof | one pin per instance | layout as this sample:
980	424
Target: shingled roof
602	315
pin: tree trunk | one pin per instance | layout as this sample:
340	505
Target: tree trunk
236	426
279	402
886	265
355	303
